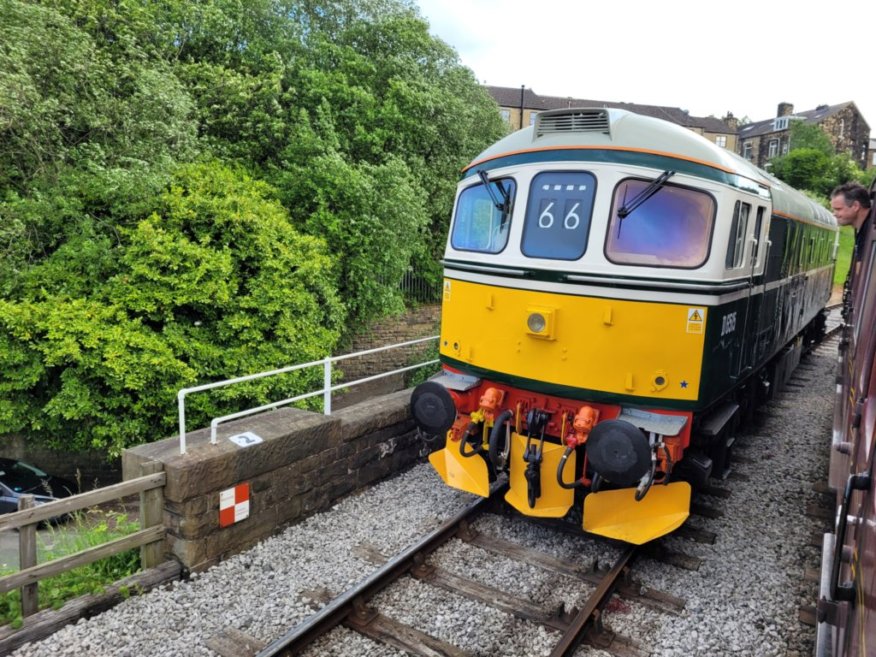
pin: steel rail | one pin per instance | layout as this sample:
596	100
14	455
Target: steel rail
336	611
589	613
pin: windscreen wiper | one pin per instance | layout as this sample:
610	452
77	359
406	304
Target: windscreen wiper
645	194
506	197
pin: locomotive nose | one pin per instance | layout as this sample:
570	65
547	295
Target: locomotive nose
619	452
433	408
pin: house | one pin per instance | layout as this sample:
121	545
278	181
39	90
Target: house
849	133
519	108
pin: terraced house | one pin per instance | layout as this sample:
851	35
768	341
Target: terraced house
761	141
520	106
757	142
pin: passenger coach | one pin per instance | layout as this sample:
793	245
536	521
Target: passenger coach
619	293
847	592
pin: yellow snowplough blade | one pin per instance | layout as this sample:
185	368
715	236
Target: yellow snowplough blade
616	514
465	473
554	501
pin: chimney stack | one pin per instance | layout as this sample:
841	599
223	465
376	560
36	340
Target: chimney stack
731	121
785	109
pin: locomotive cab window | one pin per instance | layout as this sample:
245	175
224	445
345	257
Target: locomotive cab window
483	217
558	215
738	231
671	227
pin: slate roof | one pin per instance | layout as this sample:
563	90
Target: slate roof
510	97
817	115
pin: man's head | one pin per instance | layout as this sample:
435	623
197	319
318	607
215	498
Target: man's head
850	203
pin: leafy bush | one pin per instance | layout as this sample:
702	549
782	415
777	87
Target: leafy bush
215	283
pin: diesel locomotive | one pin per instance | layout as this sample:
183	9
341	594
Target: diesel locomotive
847	592
619	294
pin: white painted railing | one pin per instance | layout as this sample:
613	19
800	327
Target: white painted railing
325	391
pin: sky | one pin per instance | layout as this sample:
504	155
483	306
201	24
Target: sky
703	56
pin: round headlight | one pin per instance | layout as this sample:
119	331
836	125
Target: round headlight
536	322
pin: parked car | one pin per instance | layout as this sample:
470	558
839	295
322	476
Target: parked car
18	478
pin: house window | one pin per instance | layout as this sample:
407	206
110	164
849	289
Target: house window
781	123
873	159
774	148
842	127
785	148
506	115
532	116
746	151
721	140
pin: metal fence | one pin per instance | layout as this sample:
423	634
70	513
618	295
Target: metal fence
325	392
418	288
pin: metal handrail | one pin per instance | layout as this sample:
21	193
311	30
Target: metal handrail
325	391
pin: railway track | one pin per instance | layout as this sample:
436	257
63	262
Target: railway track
361	609
356	609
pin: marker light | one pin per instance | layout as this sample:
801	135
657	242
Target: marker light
541	322
536	322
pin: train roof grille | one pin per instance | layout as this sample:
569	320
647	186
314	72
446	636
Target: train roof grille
572	120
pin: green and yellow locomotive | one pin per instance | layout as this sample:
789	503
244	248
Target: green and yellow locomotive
619	293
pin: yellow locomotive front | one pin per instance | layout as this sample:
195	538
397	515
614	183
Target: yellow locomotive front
575	320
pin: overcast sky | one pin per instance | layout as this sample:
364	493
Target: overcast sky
744	56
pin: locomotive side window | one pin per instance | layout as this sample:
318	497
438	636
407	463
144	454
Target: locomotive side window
758	228
670	228
788	256
738	231
481	223
558	215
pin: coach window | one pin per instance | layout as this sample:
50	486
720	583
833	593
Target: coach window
558	215
483	219
671	228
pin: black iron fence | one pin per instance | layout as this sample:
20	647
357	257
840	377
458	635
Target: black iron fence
419	288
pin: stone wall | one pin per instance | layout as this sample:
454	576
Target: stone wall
304	463
417	323
849	133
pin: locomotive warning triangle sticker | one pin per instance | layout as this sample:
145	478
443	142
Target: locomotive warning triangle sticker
695	321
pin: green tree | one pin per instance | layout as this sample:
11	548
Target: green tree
67	99
804	168
810	136
354	95
192	191
812	163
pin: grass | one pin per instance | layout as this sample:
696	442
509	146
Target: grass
844	254
82	531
